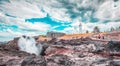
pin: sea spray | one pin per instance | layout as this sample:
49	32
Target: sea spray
22	43
28	44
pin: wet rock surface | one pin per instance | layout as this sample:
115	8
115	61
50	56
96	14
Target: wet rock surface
75	52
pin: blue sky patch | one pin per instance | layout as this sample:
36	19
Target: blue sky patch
48	20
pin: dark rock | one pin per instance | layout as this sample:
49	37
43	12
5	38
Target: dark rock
34	61
104	62
81	56
115	63
59	60
13	62
3	65
114	45
45	46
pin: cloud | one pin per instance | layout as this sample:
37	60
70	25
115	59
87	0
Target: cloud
21	9
64	16
50	7
90	26
10	34
38	26
109	10
13	27
65	10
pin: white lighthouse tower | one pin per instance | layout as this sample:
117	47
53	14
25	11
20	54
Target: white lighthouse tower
80	27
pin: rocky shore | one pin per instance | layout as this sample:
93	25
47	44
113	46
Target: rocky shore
75	52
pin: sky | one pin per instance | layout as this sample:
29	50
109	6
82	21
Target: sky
37	17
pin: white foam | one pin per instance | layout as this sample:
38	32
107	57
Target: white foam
28	45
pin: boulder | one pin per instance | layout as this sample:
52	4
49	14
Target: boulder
34	61
52	50
59	60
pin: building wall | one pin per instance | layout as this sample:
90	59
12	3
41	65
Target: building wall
54	34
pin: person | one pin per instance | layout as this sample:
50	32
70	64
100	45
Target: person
99	36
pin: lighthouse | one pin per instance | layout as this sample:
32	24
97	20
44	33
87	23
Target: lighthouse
80	28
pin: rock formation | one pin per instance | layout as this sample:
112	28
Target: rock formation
74	52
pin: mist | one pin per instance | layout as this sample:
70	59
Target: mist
28	44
